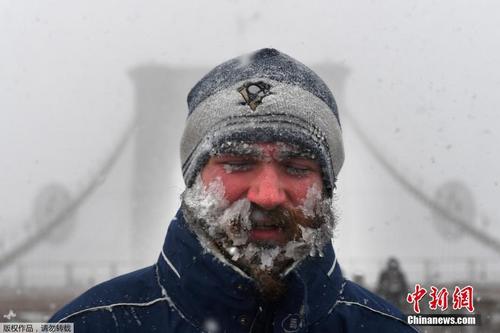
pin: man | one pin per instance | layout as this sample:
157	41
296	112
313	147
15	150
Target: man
250	249
392	285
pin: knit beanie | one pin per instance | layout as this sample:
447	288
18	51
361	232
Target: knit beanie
265	96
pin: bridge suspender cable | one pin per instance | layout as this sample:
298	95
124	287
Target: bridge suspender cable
33	240
423	198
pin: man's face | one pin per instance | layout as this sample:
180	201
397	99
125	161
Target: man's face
261	205
270	176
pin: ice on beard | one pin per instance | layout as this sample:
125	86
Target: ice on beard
207	202
229	224
313	197
313	237
295	250
221	220
236	221
263	256
267	256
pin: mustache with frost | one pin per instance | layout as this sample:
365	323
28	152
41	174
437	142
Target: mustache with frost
225	229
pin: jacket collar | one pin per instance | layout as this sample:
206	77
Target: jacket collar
203	288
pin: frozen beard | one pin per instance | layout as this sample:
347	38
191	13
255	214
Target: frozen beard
226	230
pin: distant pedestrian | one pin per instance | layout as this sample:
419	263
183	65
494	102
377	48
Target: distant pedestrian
392	283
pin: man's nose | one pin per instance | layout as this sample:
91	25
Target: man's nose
266	189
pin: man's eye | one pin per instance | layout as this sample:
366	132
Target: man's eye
297	170
237	166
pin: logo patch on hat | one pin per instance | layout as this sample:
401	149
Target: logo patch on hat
254	92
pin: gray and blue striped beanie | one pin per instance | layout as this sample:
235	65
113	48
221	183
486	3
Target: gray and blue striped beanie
265	96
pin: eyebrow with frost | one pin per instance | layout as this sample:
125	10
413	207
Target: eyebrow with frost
252	150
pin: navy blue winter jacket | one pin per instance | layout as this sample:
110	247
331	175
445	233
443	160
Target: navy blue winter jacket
189	290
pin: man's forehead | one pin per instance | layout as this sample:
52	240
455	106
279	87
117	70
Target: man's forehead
280	150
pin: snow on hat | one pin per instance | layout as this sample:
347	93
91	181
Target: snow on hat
265	96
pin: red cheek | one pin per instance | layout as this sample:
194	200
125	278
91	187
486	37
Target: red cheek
235	186
298	189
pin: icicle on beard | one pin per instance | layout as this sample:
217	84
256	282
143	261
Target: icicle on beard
223	229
